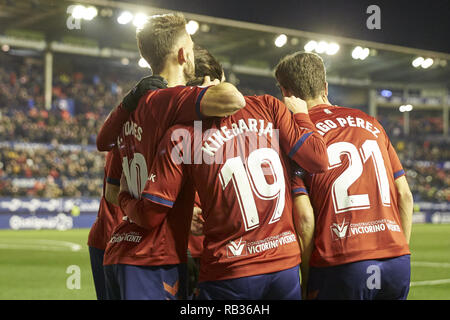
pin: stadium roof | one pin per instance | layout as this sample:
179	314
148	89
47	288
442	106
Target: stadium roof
243	47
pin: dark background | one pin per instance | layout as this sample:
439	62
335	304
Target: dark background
416	24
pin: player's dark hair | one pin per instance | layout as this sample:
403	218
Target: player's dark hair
205	65
158	36
303	74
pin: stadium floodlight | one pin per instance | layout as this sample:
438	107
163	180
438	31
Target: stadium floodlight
125	61
360	53
85	13
428	62
406	108
205	28
365	53
281	40
192	27
78	11
5	48
322	46
125	17
310	46
417	62
90	13
143	64
139	20
332	48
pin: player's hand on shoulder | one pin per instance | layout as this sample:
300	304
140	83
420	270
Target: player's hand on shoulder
197	222
131	100
296	105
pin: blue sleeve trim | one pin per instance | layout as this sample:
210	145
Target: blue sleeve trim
399	173
197	103
299	190
158	200
299	143
113	181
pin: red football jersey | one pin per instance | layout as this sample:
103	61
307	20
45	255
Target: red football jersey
138	142
355	200
109	215
239	166
195	243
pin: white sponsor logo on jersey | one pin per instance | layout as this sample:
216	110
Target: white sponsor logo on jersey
236	249
339	231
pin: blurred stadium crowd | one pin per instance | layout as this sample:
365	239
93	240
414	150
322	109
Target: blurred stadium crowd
50	153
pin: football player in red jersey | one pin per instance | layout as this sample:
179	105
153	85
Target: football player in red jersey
109	216
239	166
167	47
150	264
362	204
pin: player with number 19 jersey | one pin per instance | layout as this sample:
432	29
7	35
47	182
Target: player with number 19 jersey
355	200
239	167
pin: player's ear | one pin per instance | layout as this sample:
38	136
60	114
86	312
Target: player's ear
181	56
326	89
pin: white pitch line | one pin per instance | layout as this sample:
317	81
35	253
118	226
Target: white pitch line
429	282
430	264
38	244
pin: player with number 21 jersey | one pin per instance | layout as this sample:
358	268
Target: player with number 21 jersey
355	201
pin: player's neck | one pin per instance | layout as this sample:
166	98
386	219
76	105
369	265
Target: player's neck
316	101
174	76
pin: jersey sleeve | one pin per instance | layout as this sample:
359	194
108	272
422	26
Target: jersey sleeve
189	104
298	138
166	176
111	129
165	180
298	186
179	104
114	167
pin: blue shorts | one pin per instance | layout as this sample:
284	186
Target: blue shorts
96	256
384	279
282	285
127	282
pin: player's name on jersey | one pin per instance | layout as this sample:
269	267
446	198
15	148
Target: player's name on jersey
348	121
259	133
132	128
220	137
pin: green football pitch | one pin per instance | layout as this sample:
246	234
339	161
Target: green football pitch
37	264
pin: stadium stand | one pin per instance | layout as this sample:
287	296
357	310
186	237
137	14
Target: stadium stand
51	153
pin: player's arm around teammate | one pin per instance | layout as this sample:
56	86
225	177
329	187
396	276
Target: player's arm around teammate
304	226
405	205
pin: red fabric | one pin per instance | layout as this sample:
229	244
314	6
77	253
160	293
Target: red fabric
109	215
366	225
234	163
162	239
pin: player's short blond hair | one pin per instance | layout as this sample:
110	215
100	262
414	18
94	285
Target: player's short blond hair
303	74
157	38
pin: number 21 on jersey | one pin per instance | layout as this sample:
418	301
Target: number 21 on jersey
342	201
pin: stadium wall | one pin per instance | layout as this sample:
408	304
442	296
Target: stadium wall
73	213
